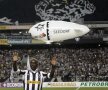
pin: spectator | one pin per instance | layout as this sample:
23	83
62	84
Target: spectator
81	64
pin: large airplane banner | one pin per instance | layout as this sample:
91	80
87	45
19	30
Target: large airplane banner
30	11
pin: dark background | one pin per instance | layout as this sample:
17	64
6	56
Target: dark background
24	11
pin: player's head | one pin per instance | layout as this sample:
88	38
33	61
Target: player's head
33	64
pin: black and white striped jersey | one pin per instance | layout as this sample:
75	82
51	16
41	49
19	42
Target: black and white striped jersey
33	80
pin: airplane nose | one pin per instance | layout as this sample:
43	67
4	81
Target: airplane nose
81	30
87	29
32	31
29	31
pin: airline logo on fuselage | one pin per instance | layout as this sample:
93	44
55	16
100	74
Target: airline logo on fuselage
40	27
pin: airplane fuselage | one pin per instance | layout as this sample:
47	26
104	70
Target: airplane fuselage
55	31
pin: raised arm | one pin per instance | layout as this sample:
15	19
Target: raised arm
15	59
15	68
53	63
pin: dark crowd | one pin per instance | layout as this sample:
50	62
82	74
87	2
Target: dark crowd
73	64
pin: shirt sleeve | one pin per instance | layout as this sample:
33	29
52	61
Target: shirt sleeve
45	75
20	72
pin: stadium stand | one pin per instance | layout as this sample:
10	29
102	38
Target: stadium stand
74	64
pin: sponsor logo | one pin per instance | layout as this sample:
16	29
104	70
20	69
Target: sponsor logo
94	84
61	31
61	84
3	85
33	82
14	84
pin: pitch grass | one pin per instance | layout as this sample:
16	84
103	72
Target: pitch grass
59	88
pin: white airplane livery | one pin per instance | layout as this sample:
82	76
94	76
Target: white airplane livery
57	31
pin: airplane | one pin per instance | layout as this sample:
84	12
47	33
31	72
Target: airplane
57	31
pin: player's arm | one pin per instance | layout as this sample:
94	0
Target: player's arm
15	59
53	63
